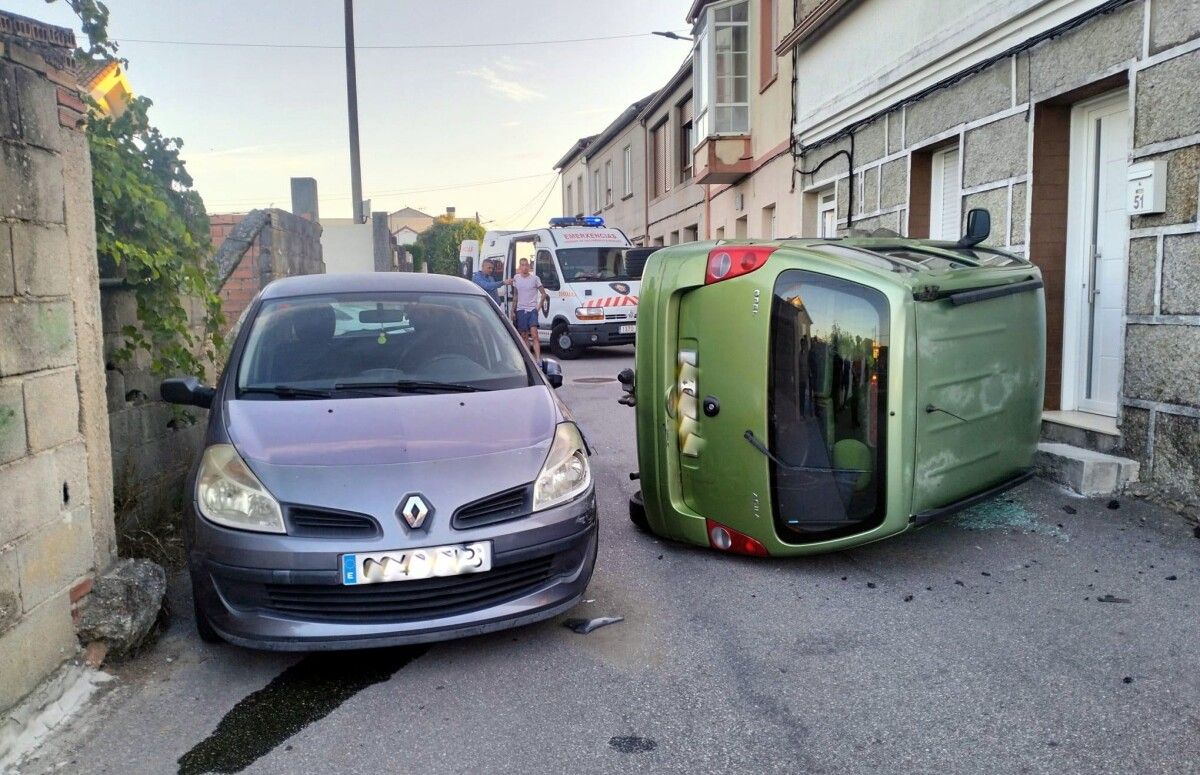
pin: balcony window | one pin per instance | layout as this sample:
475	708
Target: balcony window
721	70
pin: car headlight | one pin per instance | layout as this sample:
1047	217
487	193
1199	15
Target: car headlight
566	473
228	493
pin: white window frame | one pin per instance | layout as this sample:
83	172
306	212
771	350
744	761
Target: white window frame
627	172
704	77
827	212
570	200
608	183
596	203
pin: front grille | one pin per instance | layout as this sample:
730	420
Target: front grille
323	523
498	507
402	601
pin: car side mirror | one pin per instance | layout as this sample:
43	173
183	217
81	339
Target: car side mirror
553	373
187	391
979	226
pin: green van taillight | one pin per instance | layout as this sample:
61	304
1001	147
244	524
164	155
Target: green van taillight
729	540
725	263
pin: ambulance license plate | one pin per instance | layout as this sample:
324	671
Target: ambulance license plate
630	329
410	564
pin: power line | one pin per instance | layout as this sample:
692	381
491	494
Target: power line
400	192
532	199
406	47
533	217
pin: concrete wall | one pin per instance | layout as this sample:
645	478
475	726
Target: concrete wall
56	520
1009	119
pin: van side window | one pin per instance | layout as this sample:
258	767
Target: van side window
546	271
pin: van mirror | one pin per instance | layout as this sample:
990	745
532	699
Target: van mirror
553	373
979	226
187	391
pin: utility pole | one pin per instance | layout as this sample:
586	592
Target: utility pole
352	105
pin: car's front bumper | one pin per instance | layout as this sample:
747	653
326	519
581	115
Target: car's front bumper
263	601
602	334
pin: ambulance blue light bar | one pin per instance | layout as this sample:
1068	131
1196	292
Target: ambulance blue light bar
594	221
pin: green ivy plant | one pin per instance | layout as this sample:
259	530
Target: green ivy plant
151	226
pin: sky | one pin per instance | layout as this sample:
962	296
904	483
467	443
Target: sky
434	122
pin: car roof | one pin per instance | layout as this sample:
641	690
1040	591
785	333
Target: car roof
318	284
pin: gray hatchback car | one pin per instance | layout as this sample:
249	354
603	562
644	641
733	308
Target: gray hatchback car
384	464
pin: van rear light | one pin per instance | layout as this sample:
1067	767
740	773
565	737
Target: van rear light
729	261
726	539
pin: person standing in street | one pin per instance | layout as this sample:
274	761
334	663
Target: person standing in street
529	296
487	281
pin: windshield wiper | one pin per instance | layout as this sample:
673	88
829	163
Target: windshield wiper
288	391
410	386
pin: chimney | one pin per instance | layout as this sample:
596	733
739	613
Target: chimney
304	199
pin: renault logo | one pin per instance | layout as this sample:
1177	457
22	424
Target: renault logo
415	510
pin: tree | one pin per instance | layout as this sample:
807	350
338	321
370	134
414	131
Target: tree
438	245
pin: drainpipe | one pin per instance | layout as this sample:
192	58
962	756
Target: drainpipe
646	182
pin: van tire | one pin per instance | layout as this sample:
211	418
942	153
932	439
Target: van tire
559	335
637	513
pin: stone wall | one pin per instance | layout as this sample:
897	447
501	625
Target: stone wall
56	519
1011	121
152	447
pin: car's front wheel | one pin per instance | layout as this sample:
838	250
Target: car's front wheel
204	627
563	346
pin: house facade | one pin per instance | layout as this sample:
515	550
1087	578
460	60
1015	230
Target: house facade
1075	123
676	205
1044	113
573	178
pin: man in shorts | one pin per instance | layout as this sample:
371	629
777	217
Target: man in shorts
529	296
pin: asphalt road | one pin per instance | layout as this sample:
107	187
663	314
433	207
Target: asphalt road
976	645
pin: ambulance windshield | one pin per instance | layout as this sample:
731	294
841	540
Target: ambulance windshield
590	264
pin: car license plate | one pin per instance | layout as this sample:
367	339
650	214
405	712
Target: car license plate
630	329
423	563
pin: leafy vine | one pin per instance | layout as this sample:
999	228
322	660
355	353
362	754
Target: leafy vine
151	225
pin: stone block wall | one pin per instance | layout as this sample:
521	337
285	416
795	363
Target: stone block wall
152	448
56	519
1011	122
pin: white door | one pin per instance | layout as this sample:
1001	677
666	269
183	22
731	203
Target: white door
1098	226
945	196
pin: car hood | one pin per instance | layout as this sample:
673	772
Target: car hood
390	430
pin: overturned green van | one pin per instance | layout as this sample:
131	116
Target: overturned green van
808	395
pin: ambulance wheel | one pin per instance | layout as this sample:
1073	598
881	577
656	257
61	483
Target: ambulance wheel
637	512
562	345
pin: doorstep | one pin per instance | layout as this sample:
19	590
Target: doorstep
1081	429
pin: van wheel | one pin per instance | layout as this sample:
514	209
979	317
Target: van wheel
203	626
637	512
562	345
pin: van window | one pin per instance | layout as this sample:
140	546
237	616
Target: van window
828	406
546	271
583	264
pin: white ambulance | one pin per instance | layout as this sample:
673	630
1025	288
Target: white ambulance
581	262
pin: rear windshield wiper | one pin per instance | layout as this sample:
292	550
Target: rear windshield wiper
410	386
288	391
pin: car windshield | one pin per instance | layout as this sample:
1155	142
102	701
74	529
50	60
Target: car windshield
362	344
594	264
